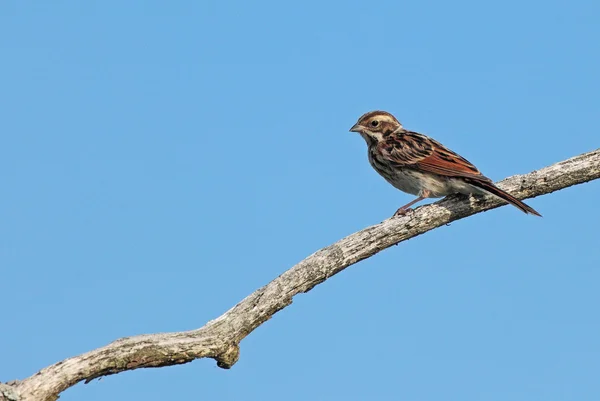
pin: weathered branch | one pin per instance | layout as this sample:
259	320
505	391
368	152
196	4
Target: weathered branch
219	339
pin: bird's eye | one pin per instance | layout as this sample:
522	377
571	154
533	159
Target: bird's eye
374	123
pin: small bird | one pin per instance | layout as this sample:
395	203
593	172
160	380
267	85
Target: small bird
421	166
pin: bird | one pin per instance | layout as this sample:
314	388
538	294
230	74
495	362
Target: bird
419	165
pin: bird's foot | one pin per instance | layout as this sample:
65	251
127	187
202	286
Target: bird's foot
403	211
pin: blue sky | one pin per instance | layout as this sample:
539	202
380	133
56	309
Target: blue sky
162	160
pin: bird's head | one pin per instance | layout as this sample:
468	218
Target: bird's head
375	125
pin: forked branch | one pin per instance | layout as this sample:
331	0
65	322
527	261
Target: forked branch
219	339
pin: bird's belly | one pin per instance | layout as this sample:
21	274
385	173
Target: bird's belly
416	182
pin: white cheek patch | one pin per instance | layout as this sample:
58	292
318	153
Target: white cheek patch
371	136
377	135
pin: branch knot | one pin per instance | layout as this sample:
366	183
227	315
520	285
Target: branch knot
228	357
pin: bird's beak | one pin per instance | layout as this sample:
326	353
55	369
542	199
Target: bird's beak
356	128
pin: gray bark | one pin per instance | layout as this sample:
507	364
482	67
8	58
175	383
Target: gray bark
219	339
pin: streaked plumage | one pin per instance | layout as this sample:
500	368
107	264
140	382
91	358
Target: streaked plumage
421	166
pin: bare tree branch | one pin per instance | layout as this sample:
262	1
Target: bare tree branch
219	339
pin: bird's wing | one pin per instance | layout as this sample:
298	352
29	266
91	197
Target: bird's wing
409	148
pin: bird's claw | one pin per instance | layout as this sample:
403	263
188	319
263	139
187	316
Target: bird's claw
403	211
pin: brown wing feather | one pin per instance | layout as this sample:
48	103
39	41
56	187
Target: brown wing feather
402	149
409	148
445	162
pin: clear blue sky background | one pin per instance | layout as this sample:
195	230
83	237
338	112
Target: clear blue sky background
162	160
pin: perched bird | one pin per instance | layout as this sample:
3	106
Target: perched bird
421	166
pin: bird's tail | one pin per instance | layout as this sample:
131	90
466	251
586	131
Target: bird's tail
494	190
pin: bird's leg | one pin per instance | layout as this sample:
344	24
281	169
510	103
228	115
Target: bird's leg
407	208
